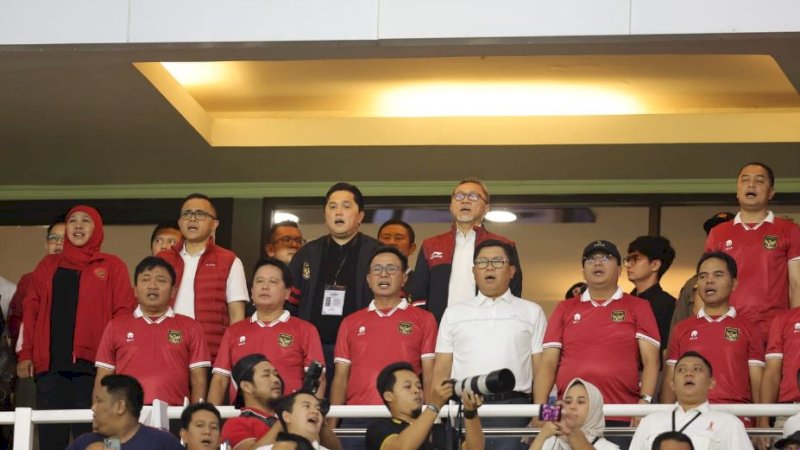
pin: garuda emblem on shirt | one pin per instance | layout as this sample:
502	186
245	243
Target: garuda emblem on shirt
404	327
770	242
617	316
174	336
732	334
285	340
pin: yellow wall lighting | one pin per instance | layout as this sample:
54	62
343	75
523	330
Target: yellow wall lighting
505	99
196	74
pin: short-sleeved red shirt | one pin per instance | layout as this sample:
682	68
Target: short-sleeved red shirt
784	343
730	343
762	253
251	424
599	342
159	353
288	342
370	339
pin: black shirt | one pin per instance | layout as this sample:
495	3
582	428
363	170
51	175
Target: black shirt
66	288
339	263
381	429
663	305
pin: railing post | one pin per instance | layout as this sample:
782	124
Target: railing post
23	429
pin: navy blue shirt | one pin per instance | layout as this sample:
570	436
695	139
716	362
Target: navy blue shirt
146	438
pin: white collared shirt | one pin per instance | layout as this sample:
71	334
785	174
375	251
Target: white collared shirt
485	335
139	314
283	318
236	289
462	282
587	297
401	306
738	221
730	313
712	430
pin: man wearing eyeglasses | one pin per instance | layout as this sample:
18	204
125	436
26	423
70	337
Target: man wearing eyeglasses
387	331
284	239
211	284
493	330
443	273
601	337
648	259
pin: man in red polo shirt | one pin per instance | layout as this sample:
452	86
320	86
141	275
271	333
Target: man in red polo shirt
387	331
766	250
733	345
259	389
165	351
573	347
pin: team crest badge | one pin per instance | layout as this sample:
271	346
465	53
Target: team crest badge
101	273
306	271
404	327
732	334
770	242
285	340
175	336
617	316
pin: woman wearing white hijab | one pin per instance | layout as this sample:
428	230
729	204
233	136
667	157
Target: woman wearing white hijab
582	422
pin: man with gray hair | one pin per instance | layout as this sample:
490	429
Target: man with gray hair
443	274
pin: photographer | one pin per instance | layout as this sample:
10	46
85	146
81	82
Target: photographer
581	422
410	425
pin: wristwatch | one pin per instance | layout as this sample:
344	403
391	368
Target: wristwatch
646	398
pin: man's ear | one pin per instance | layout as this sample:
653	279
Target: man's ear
655	265
388	396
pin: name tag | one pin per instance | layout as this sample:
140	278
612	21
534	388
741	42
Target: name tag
333	300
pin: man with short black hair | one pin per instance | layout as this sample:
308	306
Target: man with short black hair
164	237
303	414
388	330
397	233
284	239
443	273
211	284
732	344
493	330
692	415
167	352
649	258
116	405
200	423
672	440
330	273
259	387
766	249
410	426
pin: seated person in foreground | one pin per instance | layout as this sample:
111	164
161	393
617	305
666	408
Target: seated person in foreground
410	425
582	421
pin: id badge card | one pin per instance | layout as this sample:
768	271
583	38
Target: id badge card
333	300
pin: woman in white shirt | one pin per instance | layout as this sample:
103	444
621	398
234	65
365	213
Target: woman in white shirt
582	421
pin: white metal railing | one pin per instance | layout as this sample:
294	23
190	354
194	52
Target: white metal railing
23	419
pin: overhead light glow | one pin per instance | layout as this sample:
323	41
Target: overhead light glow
501	216
283	216
191	74
505	99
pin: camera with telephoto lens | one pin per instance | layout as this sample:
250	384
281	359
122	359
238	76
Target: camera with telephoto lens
496	382
311	378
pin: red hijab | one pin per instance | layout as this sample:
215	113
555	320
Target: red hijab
78	258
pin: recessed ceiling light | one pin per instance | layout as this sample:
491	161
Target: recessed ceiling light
501	216
283	216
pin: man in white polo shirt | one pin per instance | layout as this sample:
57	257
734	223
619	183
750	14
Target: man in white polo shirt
491	331
211	284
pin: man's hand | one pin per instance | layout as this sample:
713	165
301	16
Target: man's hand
25	369
471	400
441	394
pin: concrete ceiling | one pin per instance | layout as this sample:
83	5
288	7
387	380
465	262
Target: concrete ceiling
83	115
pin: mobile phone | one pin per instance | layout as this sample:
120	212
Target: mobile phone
549	412
112	444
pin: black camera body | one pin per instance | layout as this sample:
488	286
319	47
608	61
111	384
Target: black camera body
496	382
311	378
